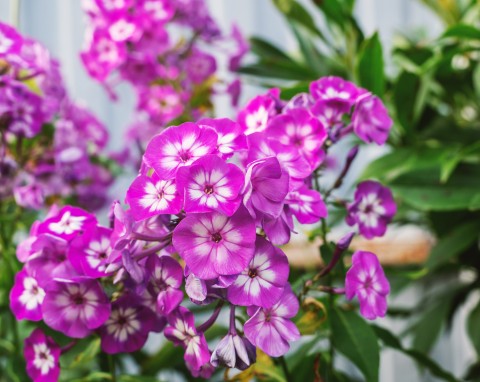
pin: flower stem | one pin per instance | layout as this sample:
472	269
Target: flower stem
207	324
284	366
111	365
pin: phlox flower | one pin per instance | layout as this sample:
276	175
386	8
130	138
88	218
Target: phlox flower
42	355
26	297
371	121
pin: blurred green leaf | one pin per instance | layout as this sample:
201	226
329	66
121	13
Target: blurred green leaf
278	69
370	71
137	378
89	353
356	340
265	49
404	91
462	31
295	12
96	376
452	244
390	340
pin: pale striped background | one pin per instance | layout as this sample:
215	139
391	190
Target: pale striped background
59	25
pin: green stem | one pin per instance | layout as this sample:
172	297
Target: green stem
111	365
284	366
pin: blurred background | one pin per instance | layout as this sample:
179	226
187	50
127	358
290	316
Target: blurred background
60	26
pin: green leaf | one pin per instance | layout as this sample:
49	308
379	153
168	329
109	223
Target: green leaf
390	340
278	69
137	378
90	352
334	11
462	31
356	340
449	246
311	55
370	71
294	11
96	376
265	49
404	91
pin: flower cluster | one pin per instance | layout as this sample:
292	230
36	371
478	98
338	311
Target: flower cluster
163	48
50	147
211	204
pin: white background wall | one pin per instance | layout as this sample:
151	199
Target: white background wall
59	25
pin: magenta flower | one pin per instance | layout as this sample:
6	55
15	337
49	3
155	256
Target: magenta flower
69	222
162	102
266	186
26	297
371	121
10	41
335	88
42	355
127	328
166	280
255	116
299	129
210	184
200	66
307	205
230	135
182	332
366	280
150	196
75	308
213	244
278	229
179	146
262	282
372	209
271	329
234	351
89	253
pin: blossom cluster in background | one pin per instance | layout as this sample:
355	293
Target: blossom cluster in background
211	204
51	148
163	48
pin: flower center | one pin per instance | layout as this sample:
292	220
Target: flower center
252	273
216	237
78	299
185	156
208	190
122	321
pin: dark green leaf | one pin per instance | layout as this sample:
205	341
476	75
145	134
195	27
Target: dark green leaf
356	340
265	49
369	68
404	91
473	328
294	11
462	31
449	246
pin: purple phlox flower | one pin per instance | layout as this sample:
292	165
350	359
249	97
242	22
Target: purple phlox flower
255	116
335	88
297	128
278	229
127	328
122	226
75	307
196	288
89	252
162	102
371	121
182	331
30	195
271	329
366	280
210	184
233	350
69	222
179	146
262	282
242	48
307	205
199	66
48	258
26	297
261	145
10	41
206	371
213	244
372	209
230	135
301	100
149	196
234	89
266	186
124	28
42	356
166	278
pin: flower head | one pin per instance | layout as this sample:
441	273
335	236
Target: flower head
371	121
26	297
69	222
372	209
42	355
234	351
366	280
213	244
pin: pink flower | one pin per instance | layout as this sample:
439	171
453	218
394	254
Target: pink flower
210	184
335	88
10	41
255	116
42	355
75	308
182	332
127	328
215	245
372	209
162	102
149	196
230	135
307	205
297	128
200	66
371	121
179	146
271	329
26	297
69	222
262	282
366	280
